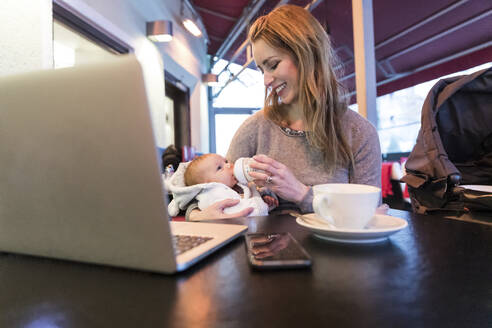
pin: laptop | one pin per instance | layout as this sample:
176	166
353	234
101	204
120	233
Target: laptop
80	174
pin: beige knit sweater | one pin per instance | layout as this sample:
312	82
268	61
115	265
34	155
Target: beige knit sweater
257	135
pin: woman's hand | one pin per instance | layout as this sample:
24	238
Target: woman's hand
278	178
216	211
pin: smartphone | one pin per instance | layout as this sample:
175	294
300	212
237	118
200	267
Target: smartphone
275	250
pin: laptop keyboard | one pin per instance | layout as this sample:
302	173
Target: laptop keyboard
183	243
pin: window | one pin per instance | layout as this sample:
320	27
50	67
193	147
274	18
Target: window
247	91
228	125
77	40
399	114
233	104
71	48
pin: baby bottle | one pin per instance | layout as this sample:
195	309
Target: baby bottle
242	169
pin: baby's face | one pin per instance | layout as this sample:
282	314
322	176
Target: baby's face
215	168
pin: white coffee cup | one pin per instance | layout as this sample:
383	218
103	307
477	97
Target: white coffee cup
346	205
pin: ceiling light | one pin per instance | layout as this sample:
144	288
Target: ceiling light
192	27
160	31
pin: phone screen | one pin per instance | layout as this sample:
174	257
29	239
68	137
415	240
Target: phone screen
275	250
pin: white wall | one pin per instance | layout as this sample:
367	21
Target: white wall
25	35
184	57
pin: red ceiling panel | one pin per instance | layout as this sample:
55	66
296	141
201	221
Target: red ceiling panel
217	30
217	26
459	25
229	8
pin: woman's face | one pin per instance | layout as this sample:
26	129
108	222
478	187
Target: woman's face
280	73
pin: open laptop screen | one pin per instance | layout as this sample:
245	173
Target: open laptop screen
80	175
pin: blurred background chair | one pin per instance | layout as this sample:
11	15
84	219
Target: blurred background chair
392	188
188	153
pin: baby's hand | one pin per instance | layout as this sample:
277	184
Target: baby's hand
272	202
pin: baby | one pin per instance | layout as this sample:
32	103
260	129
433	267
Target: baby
210	178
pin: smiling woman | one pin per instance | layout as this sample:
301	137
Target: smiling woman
305	134
294	52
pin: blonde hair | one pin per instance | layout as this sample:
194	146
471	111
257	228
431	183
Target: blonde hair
192	175
294	30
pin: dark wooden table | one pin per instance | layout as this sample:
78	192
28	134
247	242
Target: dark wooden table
435	273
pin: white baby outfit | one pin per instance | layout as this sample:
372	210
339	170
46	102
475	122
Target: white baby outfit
209	193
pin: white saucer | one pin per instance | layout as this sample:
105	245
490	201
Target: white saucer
378	229
483	188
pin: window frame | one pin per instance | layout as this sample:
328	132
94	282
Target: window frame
80	24
223	110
